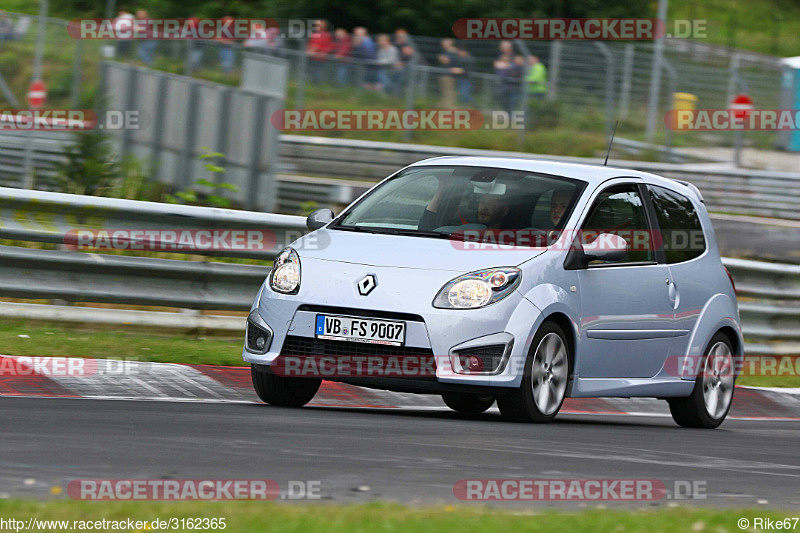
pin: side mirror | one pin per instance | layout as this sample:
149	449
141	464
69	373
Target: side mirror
606	247
319	218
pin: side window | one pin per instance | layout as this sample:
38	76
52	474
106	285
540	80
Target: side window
680	226
619	210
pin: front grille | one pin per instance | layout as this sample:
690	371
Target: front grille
310	346
489	358
397	361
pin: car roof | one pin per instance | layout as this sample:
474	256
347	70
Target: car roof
592	174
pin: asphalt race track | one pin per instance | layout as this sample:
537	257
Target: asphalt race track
411	455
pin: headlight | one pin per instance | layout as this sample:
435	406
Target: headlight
478	289
285	274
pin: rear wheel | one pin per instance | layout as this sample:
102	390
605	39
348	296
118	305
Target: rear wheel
544	381
470	404
283	391
711	398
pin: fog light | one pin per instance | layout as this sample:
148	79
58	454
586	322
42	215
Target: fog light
475	364
260	342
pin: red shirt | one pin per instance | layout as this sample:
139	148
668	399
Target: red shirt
320	44
341	47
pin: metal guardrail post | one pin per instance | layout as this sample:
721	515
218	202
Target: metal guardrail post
302	76
555	69
733	76
411	80
609	86
75	91
158	125
655	77
523	96
673	88
256	140
223	127
130	103
188	67
627	75
190	137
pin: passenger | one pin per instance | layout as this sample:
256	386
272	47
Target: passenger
558	205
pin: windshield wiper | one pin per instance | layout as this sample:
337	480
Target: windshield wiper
396	231
423	233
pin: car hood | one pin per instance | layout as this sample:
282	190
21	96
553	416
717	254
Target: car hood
404	251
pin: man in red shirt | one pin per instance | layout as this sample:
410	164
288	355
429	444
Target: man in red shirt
320	44
342	43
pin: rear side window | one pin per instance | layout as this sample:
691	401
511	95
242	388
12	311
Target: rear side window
680	226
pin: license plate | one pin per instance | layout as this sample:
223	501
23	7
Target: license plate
348	328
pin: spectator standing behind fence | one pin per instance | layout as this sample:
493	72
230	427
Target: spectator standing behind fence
6	27
388	57
447	83
402	72
508	69
364	54
462	67
226	53
263	39
536	78
147	47
123	22
320	44
195	56
342	43
400	38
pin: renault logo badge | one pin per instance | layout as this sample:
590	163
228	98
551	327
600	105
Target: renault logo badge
366	285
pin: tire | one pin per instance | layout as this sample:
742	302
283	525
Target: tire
283	391
469	404
548	365
712	396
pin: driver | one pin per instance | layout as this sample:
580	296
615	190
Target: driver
492	208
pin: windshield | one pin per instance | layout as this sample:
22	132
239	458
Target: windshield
444	200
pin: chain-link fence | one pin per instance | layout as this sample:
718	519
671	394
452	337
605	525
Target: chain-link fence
588	85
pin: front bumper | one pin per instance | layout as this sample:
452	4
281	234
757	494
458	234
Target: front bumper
402	294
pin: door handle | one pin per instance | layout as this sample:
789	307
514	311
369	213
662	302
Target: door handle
674	295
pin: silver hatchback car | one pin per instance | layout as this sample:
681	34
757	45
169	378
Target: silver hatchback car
509	280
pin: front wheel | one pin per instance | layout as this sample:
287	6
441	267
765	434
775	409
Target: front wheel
544	380
283	391
470	404
711	398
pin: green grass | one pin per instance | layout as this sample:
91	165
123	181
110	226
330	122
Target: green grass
95	341
244	517
784	378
